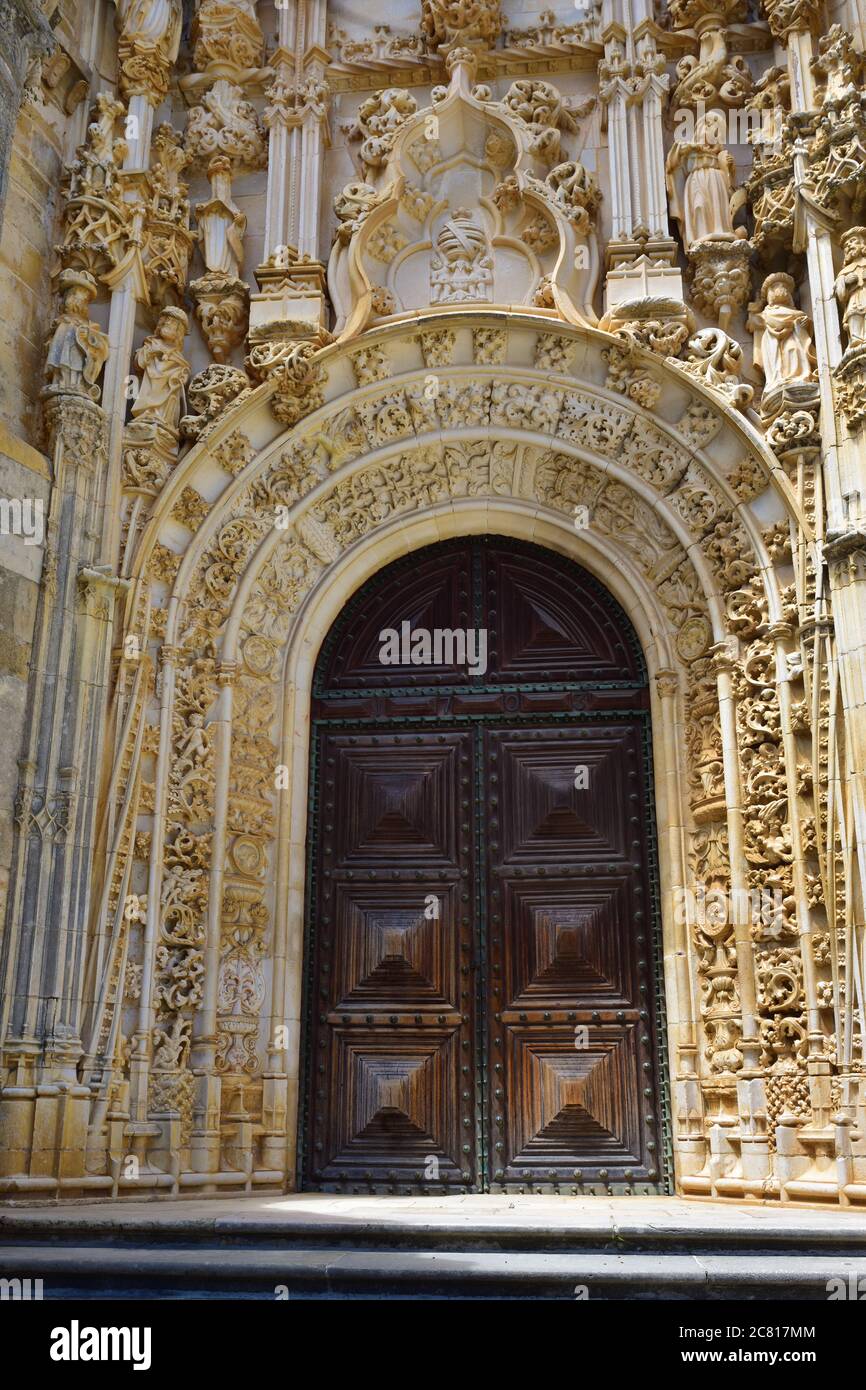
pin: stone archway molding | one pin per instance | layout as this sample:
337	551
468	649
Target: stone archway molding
454	422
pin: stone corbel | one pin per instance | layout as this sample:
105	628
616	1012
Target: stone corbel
289	366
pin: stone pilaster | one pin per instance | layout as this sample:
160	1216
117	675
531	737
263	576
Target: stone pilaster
52	873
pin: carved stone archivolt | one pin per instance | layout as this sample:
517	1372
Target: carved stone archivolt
663	494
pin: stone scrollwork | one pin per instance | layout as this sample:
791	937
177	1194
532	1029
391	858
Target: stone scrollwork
451	23
716	359
210	394
227	39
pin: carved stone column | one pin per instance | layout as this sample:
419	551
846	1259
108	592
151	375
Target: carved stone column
52	875
291	278
25	36
633	88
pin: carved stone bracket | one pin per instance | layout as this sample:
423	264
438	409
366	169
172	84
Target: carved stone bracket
221	303
720	277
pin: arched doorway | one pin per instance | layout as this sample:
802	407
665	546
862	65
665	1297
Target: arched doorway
482	987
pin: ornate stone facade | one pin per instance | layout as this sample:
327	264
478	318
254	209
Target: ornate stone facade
323	296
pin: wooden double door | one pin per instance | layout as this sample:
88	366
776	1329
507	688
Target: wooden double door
481	947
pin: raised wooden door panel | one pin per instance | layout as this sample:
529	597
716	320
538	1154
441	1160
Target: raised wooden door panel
427	593
571	1047
391	1094
396	801
546	628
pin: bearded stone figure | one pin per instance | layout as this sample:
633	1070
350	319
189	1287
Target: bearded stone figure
78	349
783	348
700	180
165	372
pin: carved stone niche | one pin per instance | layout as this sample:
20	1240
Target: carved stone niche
770	184
836	166
464	209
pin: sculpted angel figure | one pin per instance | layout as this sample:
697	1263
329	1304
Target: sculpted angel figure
783	348
165	370
700	176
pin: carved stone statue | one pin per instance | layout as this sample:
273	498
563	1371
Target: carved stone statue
703	203
165	372
152	25
851	285
78	349
783	348
221	222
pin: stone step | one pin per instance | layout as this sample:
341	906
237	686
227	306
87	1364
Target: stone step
263	1272
537	1224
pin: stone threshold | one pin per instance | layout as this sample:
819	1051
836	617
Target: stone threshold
551	1217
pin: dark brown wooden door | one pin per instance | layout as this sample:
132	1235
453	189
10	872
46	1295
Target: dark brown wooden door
481	947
